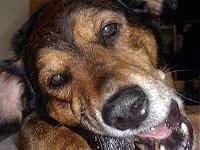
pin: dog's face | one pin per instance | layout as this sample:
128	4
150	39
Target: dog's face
97	67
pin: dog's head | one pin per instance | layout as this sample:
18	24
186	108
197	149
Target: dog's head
95	64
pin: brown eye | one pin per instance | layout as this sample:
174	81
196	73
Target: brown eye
59	80
109	33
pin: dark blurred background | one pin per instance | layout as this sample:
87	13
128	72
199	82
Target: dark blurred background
181	31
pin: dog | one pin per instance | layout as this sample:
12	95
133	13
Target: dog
87	76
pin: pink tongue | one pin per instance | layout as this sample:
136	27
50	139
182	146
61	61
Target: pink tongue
158	133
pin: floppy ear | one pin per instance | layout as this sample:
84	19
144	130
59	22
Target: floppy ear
11	95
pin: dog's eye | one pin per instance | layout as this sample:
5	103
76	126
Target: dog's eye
59	80
109	32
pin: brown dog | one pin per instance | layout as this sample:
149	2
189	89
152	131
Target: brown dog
93	68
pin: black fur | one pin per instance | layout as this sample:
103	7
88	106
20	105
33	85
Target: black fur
20	39
12	67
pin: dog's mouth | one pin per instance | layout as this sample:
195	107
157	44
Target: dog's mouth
175	133
126	126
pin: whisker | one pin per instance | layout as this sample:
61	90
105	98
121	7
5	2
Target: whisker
191	80
187	98
165	69
181	70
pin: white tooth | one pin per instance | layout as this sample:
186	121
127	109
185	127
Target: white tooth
143	111
152	129
162	147
184	128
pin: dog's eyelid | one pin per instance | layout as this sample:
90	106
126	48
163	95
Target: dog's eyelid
109	22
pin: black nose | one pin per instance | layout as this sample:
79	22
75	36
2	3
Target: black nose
127	109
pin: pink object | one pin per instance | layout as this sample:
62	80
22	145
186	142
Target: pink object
159	133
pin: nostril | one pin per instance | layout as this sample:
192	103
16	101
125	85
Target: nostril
139	108
128	108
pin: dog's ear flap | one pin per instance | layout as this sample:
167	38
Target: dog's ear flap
11	95
154	7
20	40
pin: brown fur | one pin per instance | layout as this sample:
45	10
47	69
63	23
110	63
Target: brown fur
67	41
44	137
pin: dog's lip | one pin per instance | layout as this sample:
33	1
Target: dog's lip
165	128
176	131
159	132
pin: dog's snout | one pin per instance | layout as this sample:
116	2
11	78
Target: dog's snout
127	109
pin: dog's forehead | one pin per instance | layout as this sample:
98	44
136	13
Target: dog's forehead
88	22
57	21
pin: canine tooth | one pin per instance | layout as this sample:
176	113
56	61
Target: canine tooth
95	139
143	111
152	129
184	128
162	147
184	144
